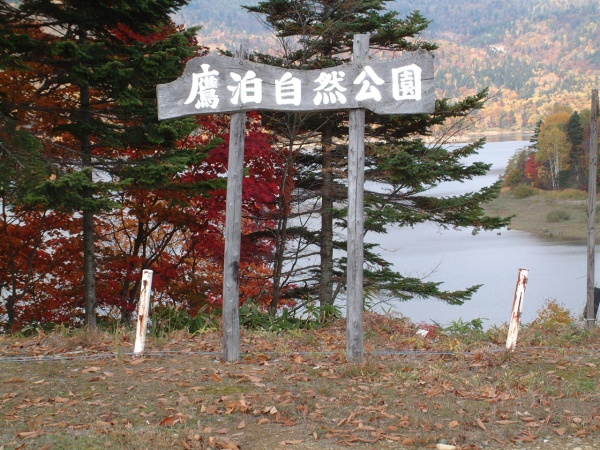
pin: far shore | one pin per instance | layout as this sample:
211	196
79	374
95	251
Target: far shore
495	135
557	216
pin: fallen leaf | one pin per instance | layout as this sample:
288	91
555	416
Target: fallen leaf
223	444
526	436
170	421
453	424
31	434
560	431
241	425
298	359
481	424
92	369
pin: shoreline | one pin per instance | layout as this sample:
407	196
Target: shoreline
494	135
553	216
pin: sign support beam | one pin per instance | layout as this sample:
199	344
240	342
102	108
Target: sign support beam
590	312
356	181
233	233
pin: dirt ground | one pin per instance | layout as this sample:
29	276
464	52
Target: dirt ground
296	390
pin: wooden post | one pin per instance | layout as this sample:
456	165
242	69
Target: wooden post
143	312
590	316
515	320
356	181
233	233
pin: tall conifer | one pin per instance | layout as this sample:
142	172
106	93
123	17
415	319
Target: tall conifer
319	33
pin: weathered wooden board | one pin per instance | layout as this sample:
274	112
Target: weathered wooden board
356	221
220	84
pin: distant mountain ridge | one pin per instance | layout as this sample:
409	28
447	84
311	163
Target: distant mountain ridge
531	54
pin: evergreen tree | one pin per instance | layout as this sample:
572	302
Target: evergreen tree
92	66
575	136
319	33
536	134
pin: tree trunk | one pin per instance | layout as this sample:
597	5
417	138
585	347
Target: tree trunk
89	270
327	198
280	241
281	231
89	253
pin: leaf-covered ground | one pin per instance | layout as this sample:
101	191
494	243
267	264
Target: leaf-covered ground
296	390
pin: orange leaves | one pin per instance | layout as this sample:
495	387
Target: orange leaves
171	421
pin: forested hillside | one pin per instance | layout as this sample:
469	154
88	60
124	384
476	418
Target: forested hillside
531	54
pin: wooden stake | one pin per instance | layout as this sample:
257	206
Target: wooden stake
143	312
590	317
356	181
233	234
515	320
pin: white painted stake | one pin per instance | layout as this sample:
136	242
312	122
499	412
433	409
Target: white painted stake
143	312
515	321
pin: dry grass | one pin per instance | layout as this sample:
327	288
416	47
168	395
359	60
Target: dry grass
296	390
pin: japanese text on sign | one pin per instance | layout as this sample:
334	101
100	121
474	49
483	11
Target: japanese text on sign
220	84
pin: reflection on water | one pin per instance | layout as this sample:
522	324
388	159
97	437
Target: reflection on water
459	259
504	137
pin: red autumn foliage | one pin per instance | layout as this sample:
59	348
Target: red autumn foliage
176	230
532	168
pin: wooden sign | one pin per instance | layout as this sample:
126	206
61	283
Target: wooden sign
220	84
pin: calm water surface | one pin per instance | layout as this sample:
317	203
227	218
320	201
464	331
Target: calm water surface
459	259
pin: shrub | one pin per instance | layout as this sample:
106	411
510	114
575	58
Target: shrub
255	317
553	316
557	215
166	319
522	191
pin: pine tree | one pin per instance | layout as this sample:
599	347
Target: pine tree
316	34
575	136
91	65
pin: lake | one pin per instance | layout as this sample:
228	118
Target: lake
460	259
